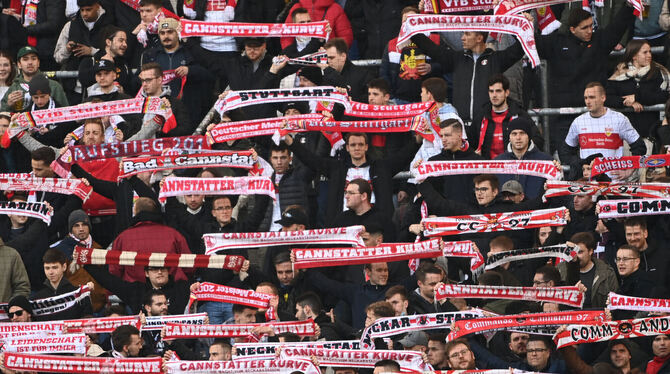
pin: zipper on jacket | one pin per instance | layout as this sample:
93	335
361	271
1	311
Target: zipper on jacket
472	88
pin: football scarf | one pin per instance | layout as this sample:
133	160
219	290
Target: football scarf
641	304
84	365
181	331
229	131
602	165
629	208
225	294
241	366
612	330
408	360
240	99
450	6
640	190
253	30
178	186
56	185
28	209
156	323
228	159
560	295
41	344
542	169
555	251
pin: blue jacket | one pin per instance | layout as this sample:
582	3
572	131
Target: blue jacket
532	186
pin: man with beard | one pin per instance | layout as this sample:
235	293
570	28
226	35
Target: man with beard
619	353
308	305
459	355
654	260
116	45
437	355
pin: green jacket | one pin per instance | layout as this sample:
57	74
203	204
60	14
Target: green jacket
57	94
604	282
13	276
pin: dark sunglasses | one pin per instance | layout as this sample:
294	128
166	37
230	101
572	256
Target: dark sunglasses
18	313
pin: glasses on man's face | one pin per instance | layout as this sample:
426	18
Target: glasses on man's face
460	353
481	189
539	282
223	208
349	193
18	313
619	260
535	350
147	80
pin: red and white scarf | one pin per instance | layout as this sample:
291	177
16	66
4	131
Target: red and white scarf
306	258
337	235
41	344
59	303
560	295
41	118
629	208
91	256
493	222
267	351
641	304
311	59
229	159
602	165
229	131
546	20
640	190
612	330
390	326
14	329
100	325
555	251
404	124
446	6
177	186
181	331
225	294
409	361
520	6
241	366
518	26
388	111
57	185
238	29
156	323
239	99
508	322
27	209
84	365
465	248
542	169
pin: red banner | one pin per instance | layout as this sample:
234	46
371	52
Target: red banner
602	165
228	131
253	30
476	326
629	208
642	304
452	6
177	186
542	169
57	185
100	325
181	331
388	111
225	294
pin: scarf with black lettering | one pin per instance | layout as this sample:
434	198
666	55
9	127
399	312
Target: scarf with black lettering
629	208
593	332
555	251
559	295
27	209
240	99
639	190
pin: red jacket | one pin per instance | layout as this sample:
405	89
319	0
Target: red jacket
107	170
147	235
334	14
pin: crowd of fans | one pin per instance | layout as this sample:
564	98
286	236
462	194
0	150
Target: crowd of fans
482	87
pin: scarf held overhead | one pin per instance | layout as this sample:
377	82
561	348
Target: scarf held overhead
225	294
507	322
555	251
336	235
322	257
560	295
239	99
408	360
542	169
237	29
241	366
229	131
27	209
641	304
41	344
451	6
57	185
91	256
156	323
493	222
178	186
180	331
602	165
641	190
227	159
518	26
267	351
85	365
629	208
612	330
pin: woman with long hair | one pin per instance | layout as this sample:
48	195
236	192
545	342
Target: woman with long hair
7	72
638	81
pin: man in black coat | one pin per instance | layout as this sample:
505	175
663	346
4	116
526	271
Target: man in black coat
341	72
634	280
115	48
472	67
151	76
356	165
55	266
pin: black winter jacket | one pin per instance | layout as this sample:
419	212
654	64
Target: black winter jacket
125	79
381	174
31	242
374	23
470	77
573	63
354	77
80	309
50	21
456	187
292	190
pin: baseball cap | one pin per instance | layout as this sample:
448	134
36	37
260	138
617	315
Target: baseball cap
414	338
513	187
293	216
26	51
254	42
168	24
104	65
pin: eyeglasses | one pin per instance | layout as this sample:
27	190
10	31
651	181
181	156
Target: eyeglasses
223	208
460	353
147	80
536	350
537	283
619	260
351	193
18	313
481	189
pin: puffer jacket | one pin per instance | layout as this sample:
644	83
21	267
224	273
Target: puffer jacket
320	10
